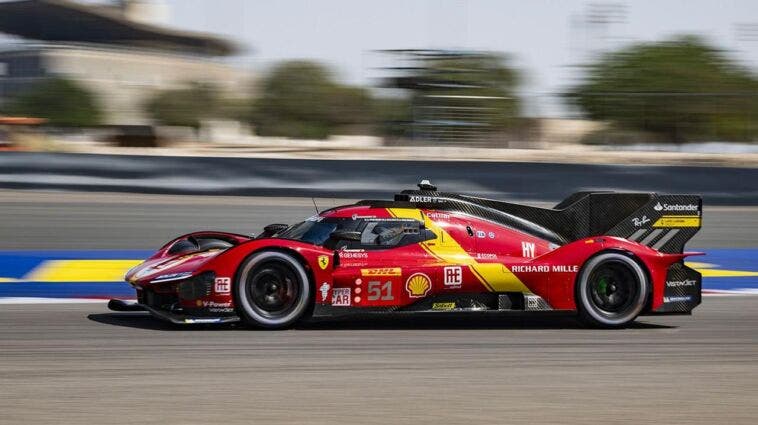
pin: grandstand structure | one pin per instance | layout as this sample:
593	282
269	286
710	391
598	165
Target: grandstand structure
122	51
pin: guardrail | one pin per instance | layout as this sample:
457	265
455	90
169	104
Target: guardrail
363	178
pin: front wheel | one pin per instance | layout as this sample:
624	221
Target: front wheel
611	290
273	290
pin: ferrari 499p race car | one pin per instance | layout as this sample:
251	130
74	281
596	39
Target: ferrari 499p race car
607	256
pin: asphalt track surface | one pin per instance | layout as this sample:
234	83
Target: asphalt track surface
80	363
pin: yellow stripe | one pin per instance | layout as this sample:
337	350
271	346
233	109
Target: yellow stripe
494	276
81	271
678	221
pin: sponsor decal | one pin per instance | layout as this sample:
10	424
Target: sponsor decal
341	297
362	217
480	234
485	256
438	216
426	199
677	299
678	221
527	249
453	276
323	261
491	235
443	306
556	268
214	304
565	269
681	283
222	285
639	222
353	254
324	288
530	269
676	207
315	218
418	285
387	271
216	307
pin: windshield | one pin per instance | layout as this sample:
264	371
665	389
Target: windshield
310	231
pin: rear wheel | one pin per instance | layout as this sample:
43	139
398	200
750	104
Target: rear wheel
273	290
611	291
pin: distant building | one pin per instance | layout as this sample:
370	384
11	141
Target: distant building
119	51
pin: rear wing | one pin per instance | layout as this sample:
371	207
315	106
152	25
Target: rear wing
662	222
665	223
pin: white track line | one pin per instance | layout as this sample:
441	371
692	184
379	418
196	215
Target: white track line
25	300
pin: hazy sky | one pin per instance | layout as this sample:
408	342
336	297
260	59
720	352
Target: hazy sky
544	37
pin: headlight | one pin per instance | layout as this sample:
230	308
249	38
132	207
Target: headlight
171	277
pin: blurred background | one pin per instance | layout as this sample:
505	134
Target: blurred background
124	124
605	75
341	100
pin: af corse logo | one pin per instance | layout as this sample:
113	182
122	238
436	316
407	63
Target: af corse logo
453	276
222	285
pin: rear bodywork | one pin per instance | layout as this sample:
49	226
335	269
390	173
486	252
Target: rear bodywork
458	253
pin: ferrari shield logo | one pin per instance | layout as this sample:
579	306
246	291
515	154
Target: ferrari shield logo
323	261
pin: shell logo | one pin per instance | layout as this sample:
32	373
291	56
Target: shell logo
418	285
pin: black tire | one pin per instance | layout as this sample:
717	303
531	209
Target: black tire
611	291
272	291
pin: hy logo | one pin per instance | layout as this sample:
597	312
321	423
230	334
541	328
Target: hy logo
527	249
658	207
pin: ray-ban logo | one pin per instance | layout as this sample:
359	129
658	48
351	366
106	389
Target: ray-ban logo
640	221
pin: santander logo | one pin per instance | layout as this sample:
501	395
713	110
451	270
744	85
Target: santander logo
676	207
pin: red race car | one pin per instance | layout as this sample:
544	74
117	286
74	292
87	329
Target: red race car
607	256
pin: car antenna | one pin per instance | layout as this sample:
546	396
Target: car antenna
315	206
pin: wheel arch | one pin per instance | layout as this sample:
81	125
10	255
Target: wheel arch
295	255
624	252
292	252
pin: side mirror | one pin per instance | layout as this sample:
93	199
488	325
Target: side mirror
346	235
273	229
